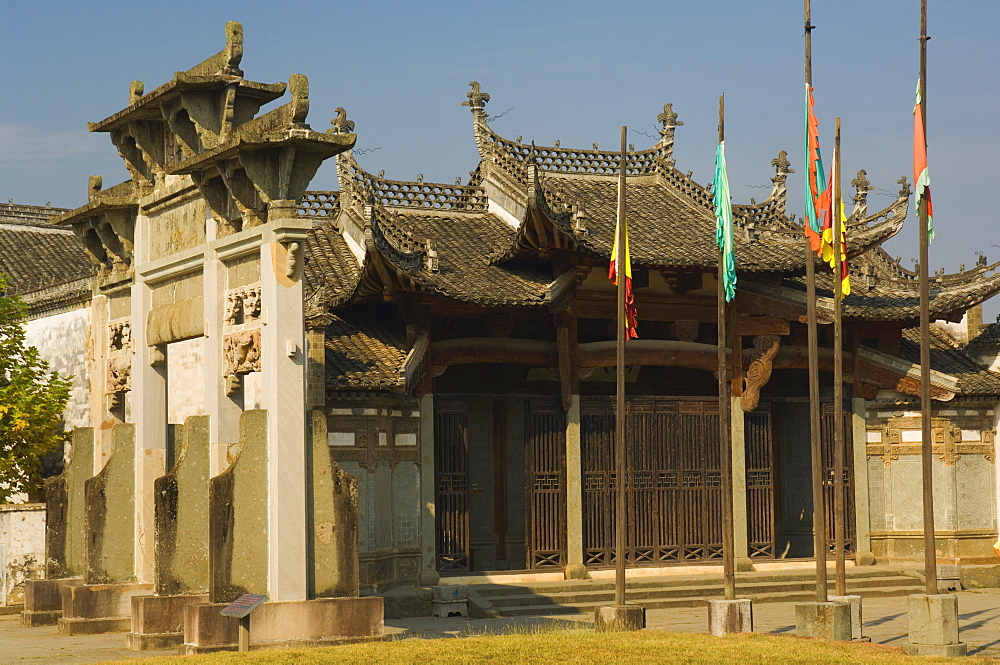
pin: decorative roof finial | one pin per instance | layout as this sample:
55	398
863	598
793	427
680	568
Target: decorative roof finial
670	122
477	99
298	85
779	190
135	91
861	187
341	125
904	188
94	184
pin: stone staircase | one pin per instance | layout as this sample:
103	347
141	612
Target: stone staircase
582	596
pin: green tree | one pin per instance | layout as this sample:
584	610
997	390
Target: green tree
32	400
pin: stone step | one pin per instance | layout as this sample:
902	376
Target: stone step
777	578
588	608
572	597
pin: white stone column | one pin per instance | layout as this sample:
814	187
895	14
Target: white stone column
149	397
224	424
862	506
575	567
98	375
283	395
428	524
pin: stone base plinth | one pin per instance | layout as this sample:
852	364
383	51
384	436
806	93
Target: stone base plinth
827	621
158	621
620	617
289	623
933	625
98	608
730	616
576	571
744	564
43	601
857	621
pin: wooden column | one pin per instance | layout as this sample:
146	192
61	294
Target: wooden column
569	382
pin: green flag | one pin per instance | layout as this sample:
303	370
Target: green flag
724	222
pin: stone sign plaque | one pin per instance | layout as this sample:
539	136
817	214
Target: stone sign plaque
243	605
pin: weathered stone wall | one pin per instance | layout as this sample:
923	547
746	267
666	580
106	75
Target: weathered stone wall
61	341
238	534
110	513
379	446
965	482
65	535
179	223
185	380
181	498
334	523
22	549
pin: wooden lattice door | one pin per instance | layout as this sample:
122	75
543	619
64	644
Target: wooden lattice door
850	523
759	447
451	492
545	462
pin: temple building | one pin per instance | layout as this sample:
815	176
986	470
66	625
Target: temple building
432	366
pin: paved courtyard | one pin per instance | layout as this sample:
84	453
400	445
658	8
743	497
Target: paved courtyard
884	619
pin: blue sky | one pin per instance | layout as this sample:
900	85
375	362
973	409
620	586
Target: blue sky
573	71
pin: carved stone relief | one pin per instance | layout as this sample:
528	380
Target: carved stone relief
119	356
242	305
946	435
242	351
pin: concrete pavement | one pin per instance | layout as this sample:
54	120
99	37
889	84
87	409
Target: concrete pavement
885	622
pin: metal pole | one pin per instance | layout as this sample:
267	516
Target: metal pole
816	449
725	447
838	376
930	554
621	517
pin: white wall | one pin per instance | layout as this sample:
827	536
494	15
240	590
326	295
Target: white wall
22	549
185	380
61	340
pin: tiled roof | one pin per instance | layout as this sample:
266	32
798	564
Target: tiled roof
988	339
46	265
947	357
365	349
882	290
330	271
461	269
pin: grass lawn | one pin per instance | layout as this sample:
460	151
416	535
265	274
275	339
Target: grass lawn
579	646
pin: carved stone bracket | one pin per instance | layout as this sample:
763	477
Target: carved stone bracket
242	351
765	348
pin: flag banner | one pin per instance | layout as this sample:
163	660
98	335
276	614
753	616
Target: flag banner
921	176
817	195
631	314
724	223
827	244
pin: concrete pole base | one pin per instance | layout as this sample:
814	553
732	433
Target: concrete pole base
857	622
730	616
619	617
933	625
827	621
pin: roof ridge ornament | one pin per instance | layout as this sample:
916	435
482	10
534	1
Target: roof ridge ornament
341	125
668	120
861	187
476	100
904	188
779	189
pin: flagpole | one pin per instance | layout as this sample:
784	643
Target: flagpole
838	375
725	452
620	405
816	450
930	554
